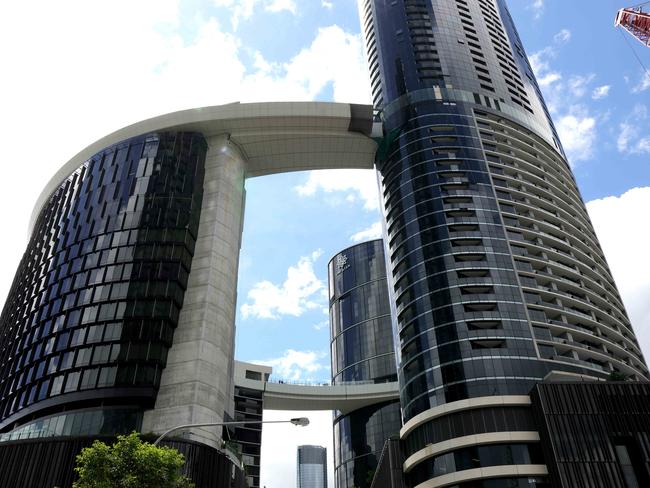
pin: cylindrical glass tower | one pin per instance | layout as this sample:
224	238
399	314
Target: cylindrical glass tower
498	275
362	351
361	336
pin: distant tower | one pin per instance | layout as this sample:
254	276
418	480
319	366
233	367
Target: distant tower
312	467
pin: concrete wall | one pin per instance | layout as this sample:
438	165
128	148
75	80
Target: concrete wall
197	384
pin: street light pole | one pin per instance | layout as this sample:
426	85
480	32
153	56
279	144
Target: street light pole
301	421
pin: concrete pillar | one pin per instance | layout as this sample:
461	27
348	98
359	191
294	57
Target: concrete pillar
197	384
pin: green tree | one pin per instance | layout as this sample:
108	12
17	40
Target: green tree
130	463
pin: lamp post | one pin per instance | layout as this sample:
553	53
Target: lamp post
301	421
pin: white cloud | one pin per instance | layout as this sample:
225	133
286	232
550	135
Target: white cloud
644	84
600	92
240	9
540	63
337	57
563	36
321	325
577	130
579	84
327	4
296	365
618	221
643	145
158	71
628	132
281	441
334	58
372	232
244	9
630	142
575	123
280	5
548	79
539	60
537	6
298	293
355	183
630	139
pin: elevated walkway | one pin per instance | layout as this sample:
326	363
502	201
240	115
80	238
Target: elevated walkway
346	398
287	396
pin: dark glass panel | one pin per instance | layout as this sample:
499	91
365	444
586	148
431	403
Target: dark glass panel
107	262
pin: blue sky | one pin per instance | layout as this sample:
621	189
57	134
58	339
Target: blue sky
78	69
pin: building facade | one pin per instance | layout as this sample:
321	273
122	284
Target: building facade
249	407
121	315
361	351
594	435
496	273
311	467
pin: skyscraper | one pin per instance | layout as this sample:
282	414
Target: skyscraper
312	467
362	351
496	274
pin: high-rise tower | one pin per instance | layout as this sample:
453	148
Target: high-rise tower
497	275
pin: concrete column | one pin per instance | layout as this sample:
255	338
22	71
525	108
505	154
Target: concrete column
197	384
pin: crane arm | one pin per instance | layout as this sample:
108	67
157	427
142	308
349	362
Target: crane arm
636	22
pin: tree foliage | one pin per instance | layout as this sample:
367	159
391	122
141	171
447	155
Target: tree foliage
130	463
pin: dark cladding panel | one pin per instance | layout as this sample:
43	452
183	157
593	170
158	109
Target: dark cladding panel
595	435
359	438
469	422
96	297
389	471
47	463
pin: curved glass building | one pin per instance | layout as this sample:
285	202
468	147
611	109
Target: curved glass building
497	275
362	351
121	315
96	298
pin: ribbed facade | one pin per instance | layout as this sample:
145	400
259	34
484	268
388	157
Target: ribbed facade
496	272
47	463
312	467
363	351
595	435
96	298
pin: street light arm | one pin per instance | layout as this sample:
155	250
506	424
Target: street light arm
301	421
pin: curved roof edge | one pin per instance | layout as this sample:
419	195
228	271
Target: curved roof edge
276	137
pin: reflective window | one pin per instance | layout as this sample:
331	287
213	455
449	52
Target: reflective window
98	293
